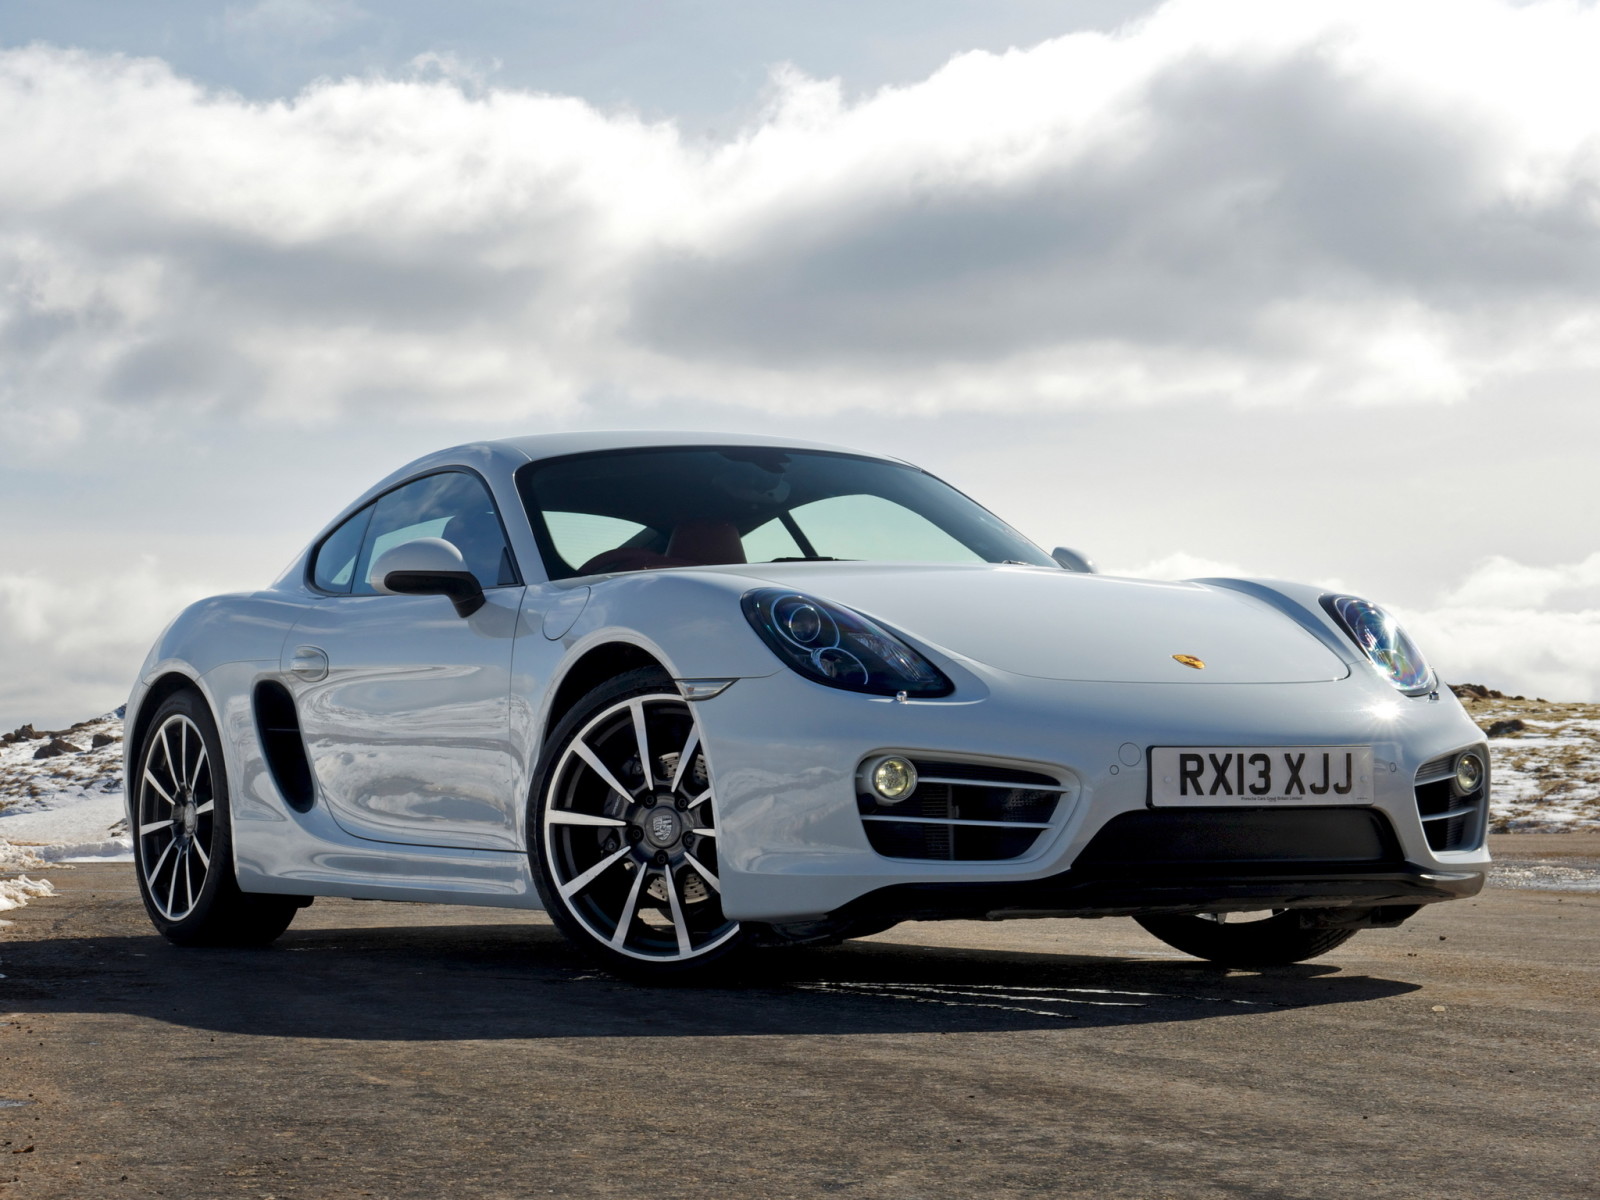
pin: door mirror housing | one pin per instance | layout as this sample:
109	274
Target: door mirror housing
428	567
1074	560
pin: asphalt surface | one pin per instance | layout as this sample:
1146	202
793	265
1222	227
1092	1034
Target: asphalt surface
399	1051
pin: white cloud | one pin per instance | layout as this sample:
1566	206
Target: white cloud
1533	652
72	647
1501	582
1327	202
1524	629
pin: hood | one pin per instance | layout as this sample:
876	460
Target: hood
1062	625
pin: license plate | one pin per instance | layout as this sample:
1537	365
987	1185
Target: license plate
1206	776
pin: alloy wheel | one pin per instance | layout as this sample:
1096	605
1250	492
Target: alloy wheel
177	817
628	821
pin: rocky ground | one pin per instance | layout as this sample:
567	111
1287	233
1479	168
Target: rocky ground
1545	759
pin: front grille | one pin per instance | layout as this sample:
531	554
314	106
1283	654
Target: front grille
964	812
1451	820
1170	842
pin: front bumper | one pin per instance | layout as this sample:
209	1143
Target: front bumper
1199	860
785	752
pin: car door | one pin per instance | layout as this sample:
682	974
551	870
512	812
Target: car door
404	705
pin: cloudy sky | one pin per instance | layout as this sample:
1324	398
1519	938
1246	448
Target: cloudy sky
1304	290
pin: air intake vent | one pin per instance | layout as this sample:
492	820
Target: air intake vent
279	729
1452	819
964	812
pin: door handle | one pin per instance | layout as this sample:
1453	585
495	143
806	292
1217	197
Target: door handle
309	663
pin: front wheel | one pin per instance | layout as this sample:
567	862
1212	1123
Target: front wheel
623	828
183	838
1246	939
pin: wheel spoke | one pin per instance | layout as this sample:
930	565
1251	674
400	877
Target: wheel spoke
705	873
183	752
166	750
153	826
625	921
677	912
153	782
567	816
155	871
700	799
686	757
705	831
641	737
600	769
568	890
205	808
205	859
172	883
194	780
188	878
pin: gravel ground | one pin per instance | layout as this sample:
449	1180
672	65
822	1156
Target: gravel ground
413	1051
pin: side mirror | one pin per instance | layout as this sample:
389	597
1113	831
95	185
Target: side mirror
428	567
1074	560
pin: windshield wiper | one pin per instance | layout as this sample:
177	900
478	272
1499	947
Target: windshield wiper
810	558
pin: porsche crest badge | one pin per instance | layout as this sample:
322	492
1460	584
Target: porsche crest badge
1189	660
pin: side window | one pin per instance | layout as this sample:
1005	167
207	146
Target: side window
451	505
334	568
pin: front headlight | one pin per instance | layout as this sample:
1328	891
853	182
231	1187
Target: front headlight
834	646
1380	638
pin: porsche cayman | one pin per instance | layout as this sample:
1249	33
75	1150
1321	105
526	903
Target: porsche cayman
697	694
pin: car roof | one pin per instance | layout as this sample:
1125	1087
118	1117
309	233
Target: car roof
557	445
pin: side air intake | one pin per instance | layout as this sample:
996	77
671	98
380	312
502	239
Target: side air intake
285	751
1453	818
965	812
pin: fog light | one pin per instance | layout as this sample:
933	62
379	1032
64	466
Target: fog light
893	779
1469	773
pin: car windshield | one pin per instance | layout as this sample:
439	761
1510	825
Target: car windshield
636	510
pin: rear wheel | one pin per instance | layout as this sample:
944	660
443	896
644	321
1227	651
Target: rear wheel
183	838
1272	939
623	828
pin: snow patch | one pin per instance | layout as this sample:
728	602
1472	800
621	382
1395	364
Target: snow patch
1546	877
14	893
67	805
63	807
1545	777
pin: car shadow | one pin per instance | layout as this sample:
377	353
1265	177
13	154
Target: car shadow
431	983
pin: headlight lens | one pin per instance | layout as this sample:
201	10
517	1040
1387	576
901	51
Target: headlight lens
832	645
1380	638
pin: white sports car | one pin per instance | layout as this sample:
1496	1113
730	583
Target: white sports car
692	694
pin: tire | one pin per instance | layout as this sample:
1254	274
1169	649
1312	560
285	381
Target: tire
183	836
1274	941
627	866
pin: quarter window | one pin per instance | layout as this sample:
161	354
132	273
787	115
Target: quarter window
334	568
